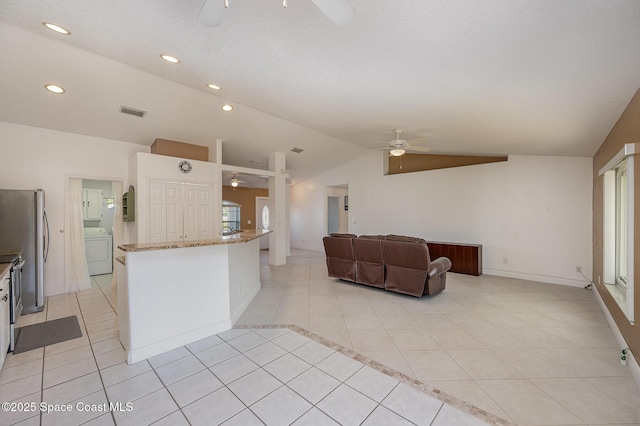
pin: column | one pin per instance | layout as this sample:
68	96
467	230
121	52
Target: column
278	210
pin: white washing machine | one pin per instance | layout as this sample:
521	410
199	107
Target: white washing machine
98	246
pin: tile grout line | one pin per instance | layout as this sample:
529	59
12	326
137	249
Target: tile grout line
104	388
416	384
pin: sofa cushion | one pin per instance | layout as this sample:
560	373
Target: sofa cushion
408	266
369	261
341	262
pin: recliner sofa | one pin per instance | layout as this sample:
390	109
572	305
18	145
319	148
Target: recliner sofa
394	262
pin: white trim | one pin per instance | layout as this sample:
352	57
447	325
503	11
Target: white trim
631	203
534	277
628	149
245	304
609	233
249	171
634	368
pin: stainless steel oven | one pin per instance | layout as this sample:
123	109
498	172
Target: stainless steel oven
15	292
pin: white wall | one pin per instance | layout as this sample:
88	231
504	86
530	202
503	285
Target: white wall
531	214
39	158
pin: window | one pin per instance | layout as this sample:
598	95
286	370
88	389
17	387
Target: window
621	223
230	217
265	218
618	228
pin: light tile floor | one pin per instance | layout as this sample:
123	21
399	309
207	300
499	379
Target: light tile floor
527	352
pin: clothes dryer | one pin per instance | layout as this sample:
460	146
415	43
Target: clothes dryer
98	246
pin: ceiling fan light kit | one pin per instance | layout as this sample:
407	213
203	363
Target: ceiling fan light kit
398	147
234	181
339	11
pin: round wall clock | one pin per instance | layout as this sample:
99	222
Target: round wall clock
185	166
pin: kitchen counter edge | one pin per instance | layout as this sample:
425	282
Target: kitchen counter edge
241	237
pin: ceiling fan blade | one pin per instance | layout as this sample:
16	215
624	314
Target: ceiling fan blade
418	140
418	148
339	11
211	13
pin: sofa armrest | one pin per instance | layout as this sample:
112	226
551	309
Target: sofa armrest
439	266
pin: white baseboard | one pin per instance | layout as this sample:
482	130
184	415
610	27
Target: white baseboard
157	348
235	316
634	368
533	277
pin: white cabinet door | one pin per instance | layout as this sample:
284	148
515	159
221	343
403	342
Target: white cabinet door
175	225
157	212
205	212
190	195
92	204
180	211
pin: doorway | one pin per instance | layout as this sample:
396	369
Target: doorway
337	210
262	219
106	220
333	215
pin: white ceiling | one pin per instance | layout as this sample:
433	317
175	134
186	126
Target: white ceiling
543	77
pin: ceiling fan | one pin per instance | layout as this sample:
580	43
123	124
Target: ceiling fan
399	147
339	11
234	181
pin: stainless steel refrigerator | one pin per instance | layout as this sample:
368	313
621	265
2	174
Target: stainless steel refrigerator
24	228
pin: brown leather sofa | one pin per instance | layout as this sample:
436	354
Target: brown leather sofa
370	268
394	262
341	261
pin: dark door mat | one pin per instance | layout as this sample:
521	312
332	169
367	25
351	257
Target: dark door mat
46	333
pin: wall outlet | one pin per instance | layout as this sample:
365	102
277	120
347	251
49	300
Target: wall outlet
249	222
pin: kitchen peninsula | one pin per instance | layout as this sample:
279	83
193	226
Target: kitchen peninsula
175	293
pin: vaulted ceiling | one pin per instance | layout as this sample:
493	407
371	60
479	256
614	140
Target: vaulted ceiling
543	77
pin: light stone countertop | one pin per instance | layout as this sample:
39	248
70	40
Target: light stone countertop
240	237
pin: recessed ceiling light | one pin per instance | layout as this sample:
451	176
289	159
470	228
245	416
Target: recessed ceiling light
54	88
56	28
227	108
213	86
170	58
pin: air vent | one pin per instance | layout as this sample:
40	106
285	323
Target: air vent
132	111
297	150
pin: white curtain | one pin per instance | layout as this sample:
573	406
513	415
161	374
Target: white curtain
77	271
118	236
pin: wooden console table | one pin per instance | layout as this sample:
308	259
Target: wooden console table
465	258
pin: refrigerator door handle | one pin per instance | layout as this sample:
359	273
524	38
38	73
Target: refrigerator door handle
46	243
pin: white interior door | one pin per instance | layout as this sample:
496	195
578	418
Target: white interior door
262	219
